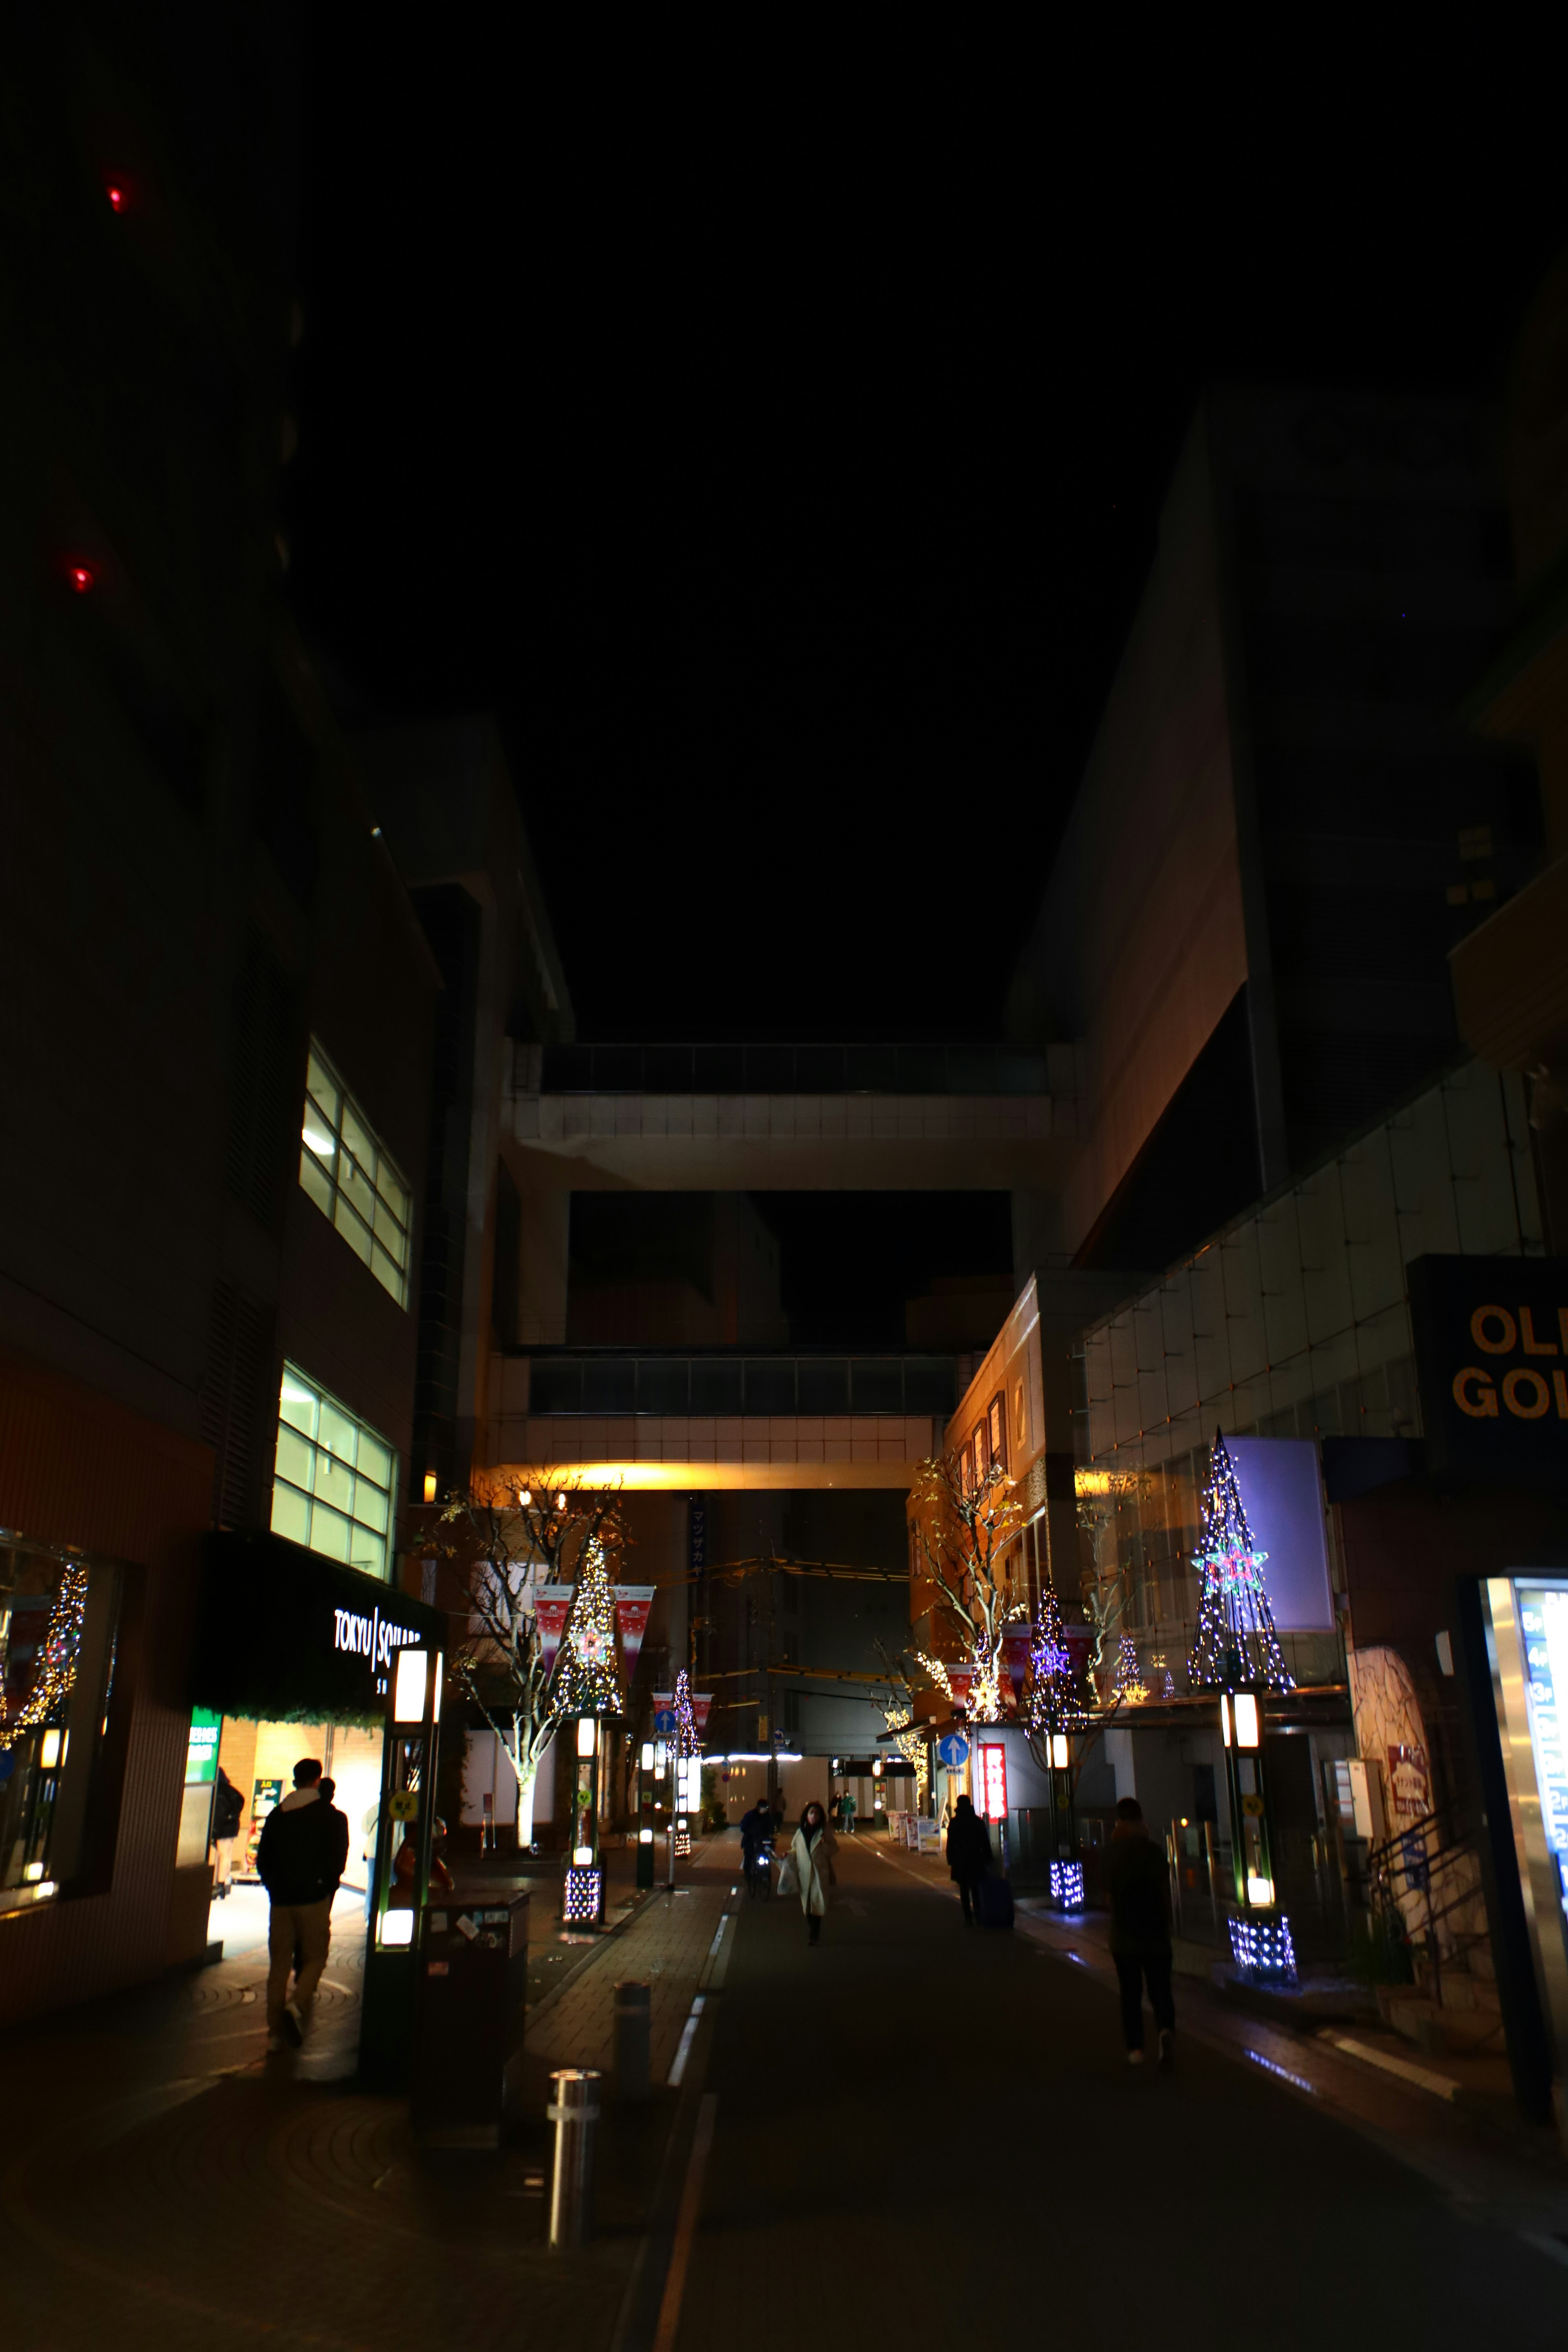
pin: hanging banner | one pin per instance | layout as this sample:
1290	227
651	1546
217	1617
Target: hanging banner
1015	1647
551	1607
1078	1640
633	1604
701	1703
665	1719
961	1682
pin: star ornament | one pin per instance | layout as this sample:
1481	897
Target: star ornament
592	1646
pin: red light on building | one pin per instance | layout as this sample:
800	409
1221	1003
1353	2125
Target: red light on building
82	578
994	1782
116	195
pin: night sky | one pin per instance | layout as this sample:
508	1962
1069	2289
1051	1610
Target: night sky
786	481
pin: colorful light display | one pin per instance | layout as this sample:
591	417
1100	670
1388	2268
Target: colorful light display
1261	1946
1235	1640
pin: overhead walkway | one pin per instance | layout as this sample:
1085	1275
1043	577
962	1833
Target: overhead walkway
788	1118
721	1417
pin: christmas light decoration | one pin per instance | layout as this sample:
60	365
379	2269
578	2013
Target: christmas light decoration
1067	1884
1055	1703
587	1680
57	1664
1131	1686
1236	1640
1261	1946
687	1741
583	1897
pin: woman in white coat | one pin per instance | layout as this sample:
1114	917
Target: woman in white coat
811	1854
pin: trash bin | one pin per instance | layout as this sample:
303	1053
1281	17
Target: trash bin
473	1998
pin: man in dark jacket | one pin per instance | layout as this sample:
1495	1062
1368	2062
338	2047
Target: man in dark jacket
228	1811
968	1857
1139	1887
299	1861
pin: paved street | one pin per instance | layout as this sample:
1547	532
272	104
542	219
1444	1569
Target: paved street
922	2132
911	2128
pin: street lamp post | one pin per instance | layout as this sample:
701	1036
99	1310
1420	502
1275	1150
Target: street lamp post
1259	1932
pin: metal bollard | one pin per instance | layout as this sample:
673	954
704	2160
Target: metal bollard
633	2024
575	2112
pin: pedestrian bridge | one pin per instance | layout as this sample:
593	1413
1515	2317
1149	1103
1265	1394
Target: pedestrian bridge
720	1418
782	1119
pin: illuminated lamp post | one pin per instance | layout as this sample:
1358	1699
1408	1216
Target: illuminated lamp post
582	1901
406	1819
1235	1651
645	1813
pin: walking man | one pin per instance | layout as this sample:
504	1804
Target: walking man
298	1862
968	1857
1140	1889
846	1812
228	1808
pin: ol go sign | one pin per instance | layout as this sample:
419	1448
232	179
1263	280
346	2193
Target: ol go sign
1492	1338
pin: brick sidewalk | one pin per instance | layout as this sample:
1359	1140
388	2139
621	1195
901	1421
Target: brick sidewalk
165	2184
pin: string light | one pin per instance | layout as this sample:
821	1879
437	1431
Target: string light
687	1741
1236	1640
1131	1686
587	1680
583	1896
1262	1947
57	1664
1054	1702
1067	1884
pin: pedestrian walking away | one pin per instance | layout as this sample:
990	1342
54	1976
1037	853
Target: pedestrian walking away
969	1857
846	1812
811	1854
299	1862
228	1810
1140	1889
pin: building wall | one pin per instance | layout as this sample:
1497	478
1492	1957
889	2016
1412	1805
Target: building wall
77	1468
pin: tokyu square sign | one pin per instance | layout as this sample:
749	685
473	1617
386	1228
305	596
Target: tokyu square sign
1491	1355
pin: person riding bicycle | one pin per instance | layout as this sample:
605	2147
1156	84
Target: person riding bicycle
756	1837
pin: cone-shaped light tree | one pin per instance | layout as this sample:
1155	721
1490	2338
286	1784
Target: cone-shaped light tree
1236	1642
587	1680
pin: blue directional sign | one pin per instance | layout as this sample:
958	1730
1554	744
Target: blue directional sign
664	1722
953	1750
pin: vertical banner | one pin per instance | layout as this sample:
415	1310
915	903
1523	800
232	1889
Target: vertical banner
701	1703
1016	1646
993	1781
552	1606
633	1604
665	1720
697	1534
962	1680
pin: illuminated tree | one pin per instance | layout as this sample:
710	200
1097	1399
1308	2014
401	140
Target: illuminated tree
587	1679
687	1742
1236	1642
1054	1702
1129	1685
505	1542
963	1527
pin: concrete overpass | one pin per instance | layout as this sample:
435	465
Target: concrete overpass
661	1421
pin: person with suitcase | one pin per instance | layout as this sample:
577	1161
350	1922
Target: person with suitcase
969	1857
1140	1888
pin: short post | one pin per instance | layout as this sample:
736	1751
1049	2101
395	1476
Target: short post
575	2112
634	2020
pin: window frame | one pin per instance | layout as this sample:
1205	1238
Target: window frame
313	1498
996	1431
341	1201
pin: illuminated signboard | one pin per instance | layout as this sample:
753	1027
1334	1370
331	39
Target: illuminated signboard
1543	1628
201	1749
994	1782
1491	1351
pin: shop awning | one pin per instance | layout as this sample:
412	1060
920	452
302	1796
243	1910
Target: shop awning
283	1635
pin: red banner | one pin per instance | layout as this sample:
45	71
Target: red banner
633	1604
701	1703
551	1607
961	1681
1016	1646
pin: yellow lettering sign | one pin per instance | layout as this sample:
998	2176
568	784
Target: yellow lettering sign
1503	1320
1474	1393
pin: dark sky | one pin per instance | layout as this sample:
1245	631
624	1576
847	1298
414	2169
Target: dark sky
785	480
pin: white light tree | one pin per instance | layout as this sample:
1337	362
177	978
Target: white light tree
964	1529
505	1543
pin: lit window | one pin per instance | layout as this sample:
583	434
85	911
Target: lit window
352	1179
336	1479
